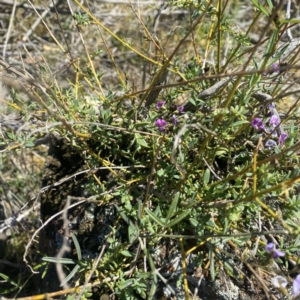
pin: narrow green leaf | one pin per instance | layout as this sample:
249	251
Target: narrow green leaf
126	253
126	284
133	232
65	261
242	122
78	250
123	216
270	4
254	79
141	124
5	277
172	207
260	7
212	265
206	176
272	41
152	290
291	21
297	241
229	268
154	217
178	219
71	275
139	212
153	273
278	54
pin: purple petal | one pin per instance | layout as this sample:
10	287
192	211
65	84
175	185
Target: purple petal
278	253
282	138
181	109
279	282
274	121
160	123
275	68
270	144
257	123
272	105
296	286
270	247
160	104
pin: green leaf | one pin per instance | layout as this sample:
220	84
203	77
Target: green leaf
29	143
271	44
260	7
78	250
242	122
126	253
206	176
140	140
160	172
172	207
270	4
71	275
5	277
254	79
154	217
123	216
278	54
126	284
178	219
212	265
65	261
133	232
153	273
291	21
11	136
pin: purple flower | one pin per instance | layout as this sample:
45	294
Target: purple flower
274	68
161	124
270	144
296	286
257	123
160	104
272	105
174	120
279	282
179	108
270	248
274	121
282	138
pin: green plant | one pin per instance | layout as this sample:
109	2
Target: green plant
192	167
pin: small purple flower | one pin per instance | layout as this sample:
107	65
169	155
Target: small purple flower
270	144
160	104
274	121
282	138
179	108
272	105
279	282
174	120
274	68
257	123
270	248
296	286
161	124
